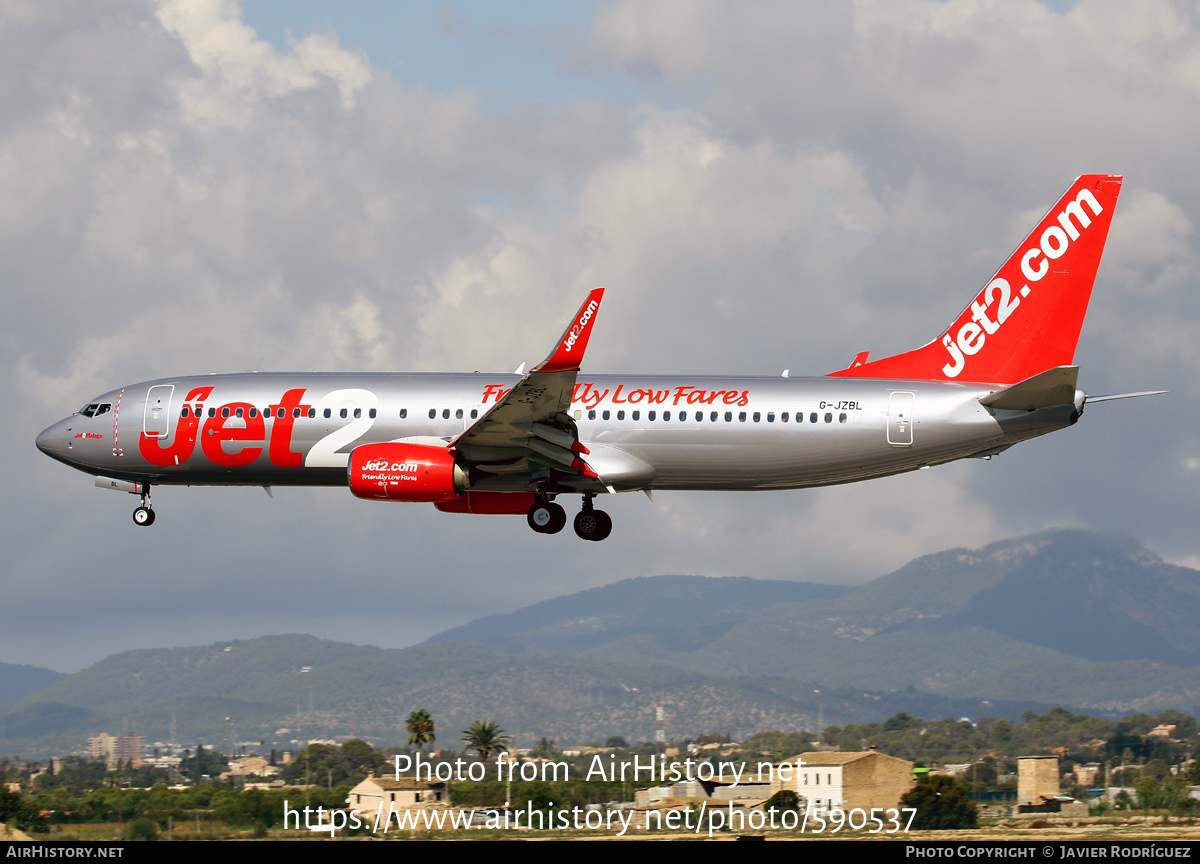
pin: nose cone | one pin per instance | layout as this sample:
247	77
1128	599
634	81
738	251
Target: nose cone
53	441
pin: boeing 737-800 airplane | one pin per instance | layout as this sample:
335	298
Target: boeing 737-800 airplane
476	443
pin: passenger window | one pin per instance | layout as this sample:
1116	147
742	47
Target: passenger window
812	418
184	412
212	412
828	417
757	416
357	413
445	413
666	415
578	414
432	413
605	415
342	413
712	418
458	415
295	413
700	414
728	416
621	414
592	414
279	413
637	415
224	412
404	411
842	416
475	411
312	412
238	412
784	415
771	417
650	415
253	413
742	416
328	413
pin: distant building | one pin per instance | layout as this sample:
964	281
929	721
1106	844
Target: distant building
825	780
959	769
403	794
863	779
1085	775
750	792
1037	779
250	766
128	749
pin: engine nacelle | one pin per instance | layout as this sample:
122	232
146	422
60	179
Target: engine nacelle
395	471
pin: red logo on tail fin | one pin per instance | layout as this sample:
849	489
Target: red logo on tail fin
1028	317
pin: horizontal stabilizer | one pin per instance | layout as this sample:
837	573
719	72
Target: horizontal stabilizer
1052	387
1092	399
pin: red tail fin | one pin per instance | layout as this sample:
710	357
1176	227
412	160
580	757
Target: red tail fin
1028	317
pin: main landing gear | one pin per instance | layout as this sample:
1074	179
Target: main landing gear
546	517
144	515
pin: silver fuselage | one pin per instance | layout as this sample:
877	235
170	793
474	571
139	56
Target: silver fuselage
642	432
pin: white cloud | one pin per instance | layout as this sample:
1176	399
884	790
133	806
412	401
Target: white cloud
239	69
799	184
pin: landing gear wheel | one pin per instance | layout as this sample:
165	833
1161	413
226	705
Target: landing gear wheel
593	524
143	516
558	519
547	518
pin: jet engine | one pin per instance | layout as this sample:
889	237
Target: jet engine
396	471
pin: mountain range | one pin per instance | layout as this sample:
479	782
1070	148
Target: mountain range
1092	621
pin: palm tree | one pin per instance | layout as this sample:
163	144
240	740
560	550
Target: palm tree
421	728
485	737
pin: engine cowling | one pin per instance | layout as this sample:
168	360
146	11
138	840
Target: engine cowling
395	471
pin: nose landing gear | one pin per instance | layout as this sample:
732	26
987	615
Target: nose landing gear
144	515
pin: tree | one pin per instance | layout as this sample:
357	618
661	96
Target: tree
942	804
897	722
485	737
784	799
421	728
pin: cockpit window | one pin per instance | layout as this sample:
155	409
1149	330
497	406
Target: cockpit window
95	409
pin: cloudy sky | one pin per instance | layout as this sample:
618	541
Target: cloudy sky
204	185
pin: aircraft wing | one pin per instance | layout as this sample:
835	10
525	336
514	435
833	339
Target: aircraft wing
530	426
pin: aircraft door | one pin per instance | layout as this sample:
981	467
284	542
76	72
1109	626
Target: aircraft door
156	420
899	418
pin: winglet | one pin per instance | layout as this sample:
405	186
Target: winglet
568	354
